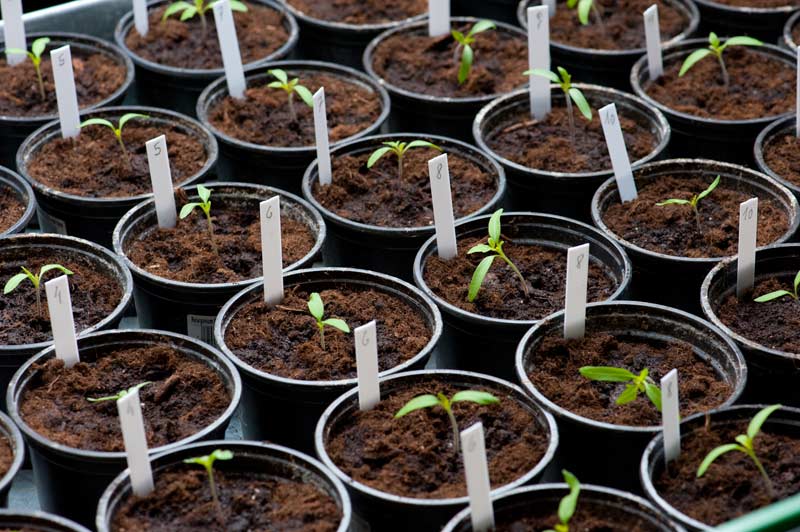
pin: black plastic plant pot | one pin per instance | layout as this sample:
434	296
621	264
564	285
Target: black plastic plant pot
298	404
632	321
94	218
14	129
13	436
387	511
502	10
23	193
278	166
16	247
779	128
191	308
674	280
695	136
58	468
611	68
473	342
765	23
37	521
562	193
545	498
787	39
352	243
249	458
785	420
437	115
178	88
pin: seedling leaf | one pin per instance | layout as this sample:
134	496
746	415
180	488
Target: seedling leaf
552	76
741	41
376	155
479	248
566	508
467	58
316	306
304	94
773	295
38	46
714	454
475	396
606	374
418	403
654	393
692	59
494	225
580	102
758	420
628	395
13	283
97	122
709	190
478	276
481	26
279	74
336	323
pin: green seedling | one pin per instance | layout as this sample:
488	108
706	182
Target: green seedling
571	94
584	7
120	395
566	508
290	87
317	309
694	202
35	279
716	48
777	294
198	7
205	206
495	247
464	48
207	462
440	399
116	129
399	149
745	443
35	55
636	383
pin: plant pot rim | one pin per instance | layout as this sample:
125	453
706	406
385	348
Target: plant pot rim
788	39
610	185
498	105
643	308
392	284
120	337
32	143
125	25
10	178
640	72
360	29
82	40
38	515
747	10
778	127
17	445
351	395
97	253
311	176
419	97
429	246
147	207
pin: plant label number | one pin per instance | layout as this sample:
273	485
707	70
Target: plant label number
746	259
229	45
272	250
539	57
321	136
618	152
476	470
443	217
130	419
161	181
140	17
67	98
575	297
652	33
670	414
369	393
59	304
438	17
13	30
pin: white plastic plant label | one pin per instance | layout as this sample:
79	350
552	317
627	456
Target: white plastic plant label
59	304
61	59
539	57
670	415
161	181
229	45
135	438
438	17
551	7
13	30
324	168
369	392
476	470
575	297
746	259
140	21
618	152
272	250
443	217
652	34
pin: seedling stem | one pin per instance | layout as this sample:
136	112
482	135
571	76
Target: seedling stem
35	279
399	149
464	48
117	130
317	309
35	55
208	463
205	206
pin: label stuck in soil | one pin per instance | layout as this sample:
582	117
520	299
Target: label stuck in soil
476	470
438	17
161	181
575	297
271	250
140	17
369	392
135	438
539	57
442	196
229	46
619	154
321	138
13	30
67	98
746	259
59	303
670	415
652	33
200	327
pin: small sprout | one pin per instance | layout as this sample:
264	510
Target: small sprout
290	87
637	383
36	280
571	94
35	55
120	395
566	508
205	206
399	149
317	309
584	7
207	462
716	48
116	129
692	202
440	399
495	246
199	7
463	47
777	294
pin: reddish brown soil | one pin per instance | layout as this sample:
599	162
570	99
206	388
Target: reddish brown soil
360	12
674	230
428	65
172	42
782	155
413	456
6	456
589	516
795	32
11	208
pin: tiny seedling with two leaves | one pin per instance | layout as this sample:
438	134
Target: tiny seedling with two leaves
35	55
584	8
464	47
568	504
495	247
399	149
777	294
207	462
636	383
205	205
571	94
717	48
189	10
119	395
35	279
290	87
694	202
116	129
317	309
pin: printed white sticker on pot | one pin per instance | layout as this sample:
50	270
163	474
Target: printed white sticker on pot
200	327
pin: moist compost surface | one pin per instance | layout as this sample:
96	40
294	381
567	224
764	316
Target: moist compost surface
378	196
782	155
761	4
589	516
501	295
95	166
11	208
413	456
285	340
675	230
553	369
428	65
547	144
264	116
6	456
760	86
732	486
184	397
360	11
184	44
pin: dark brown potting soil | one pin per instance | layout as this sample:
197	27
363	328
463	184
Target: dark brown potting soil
427	65
622	28
186	252
6	456
589	516
782	155
94	165
95	293
97	76
553	369
795	32
285	341
760	4
11	208
547	144
760	86
182	502
360	11
264	115
501	295
378	196
732	486
413	456
773	324
185	396
184	44
675	229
